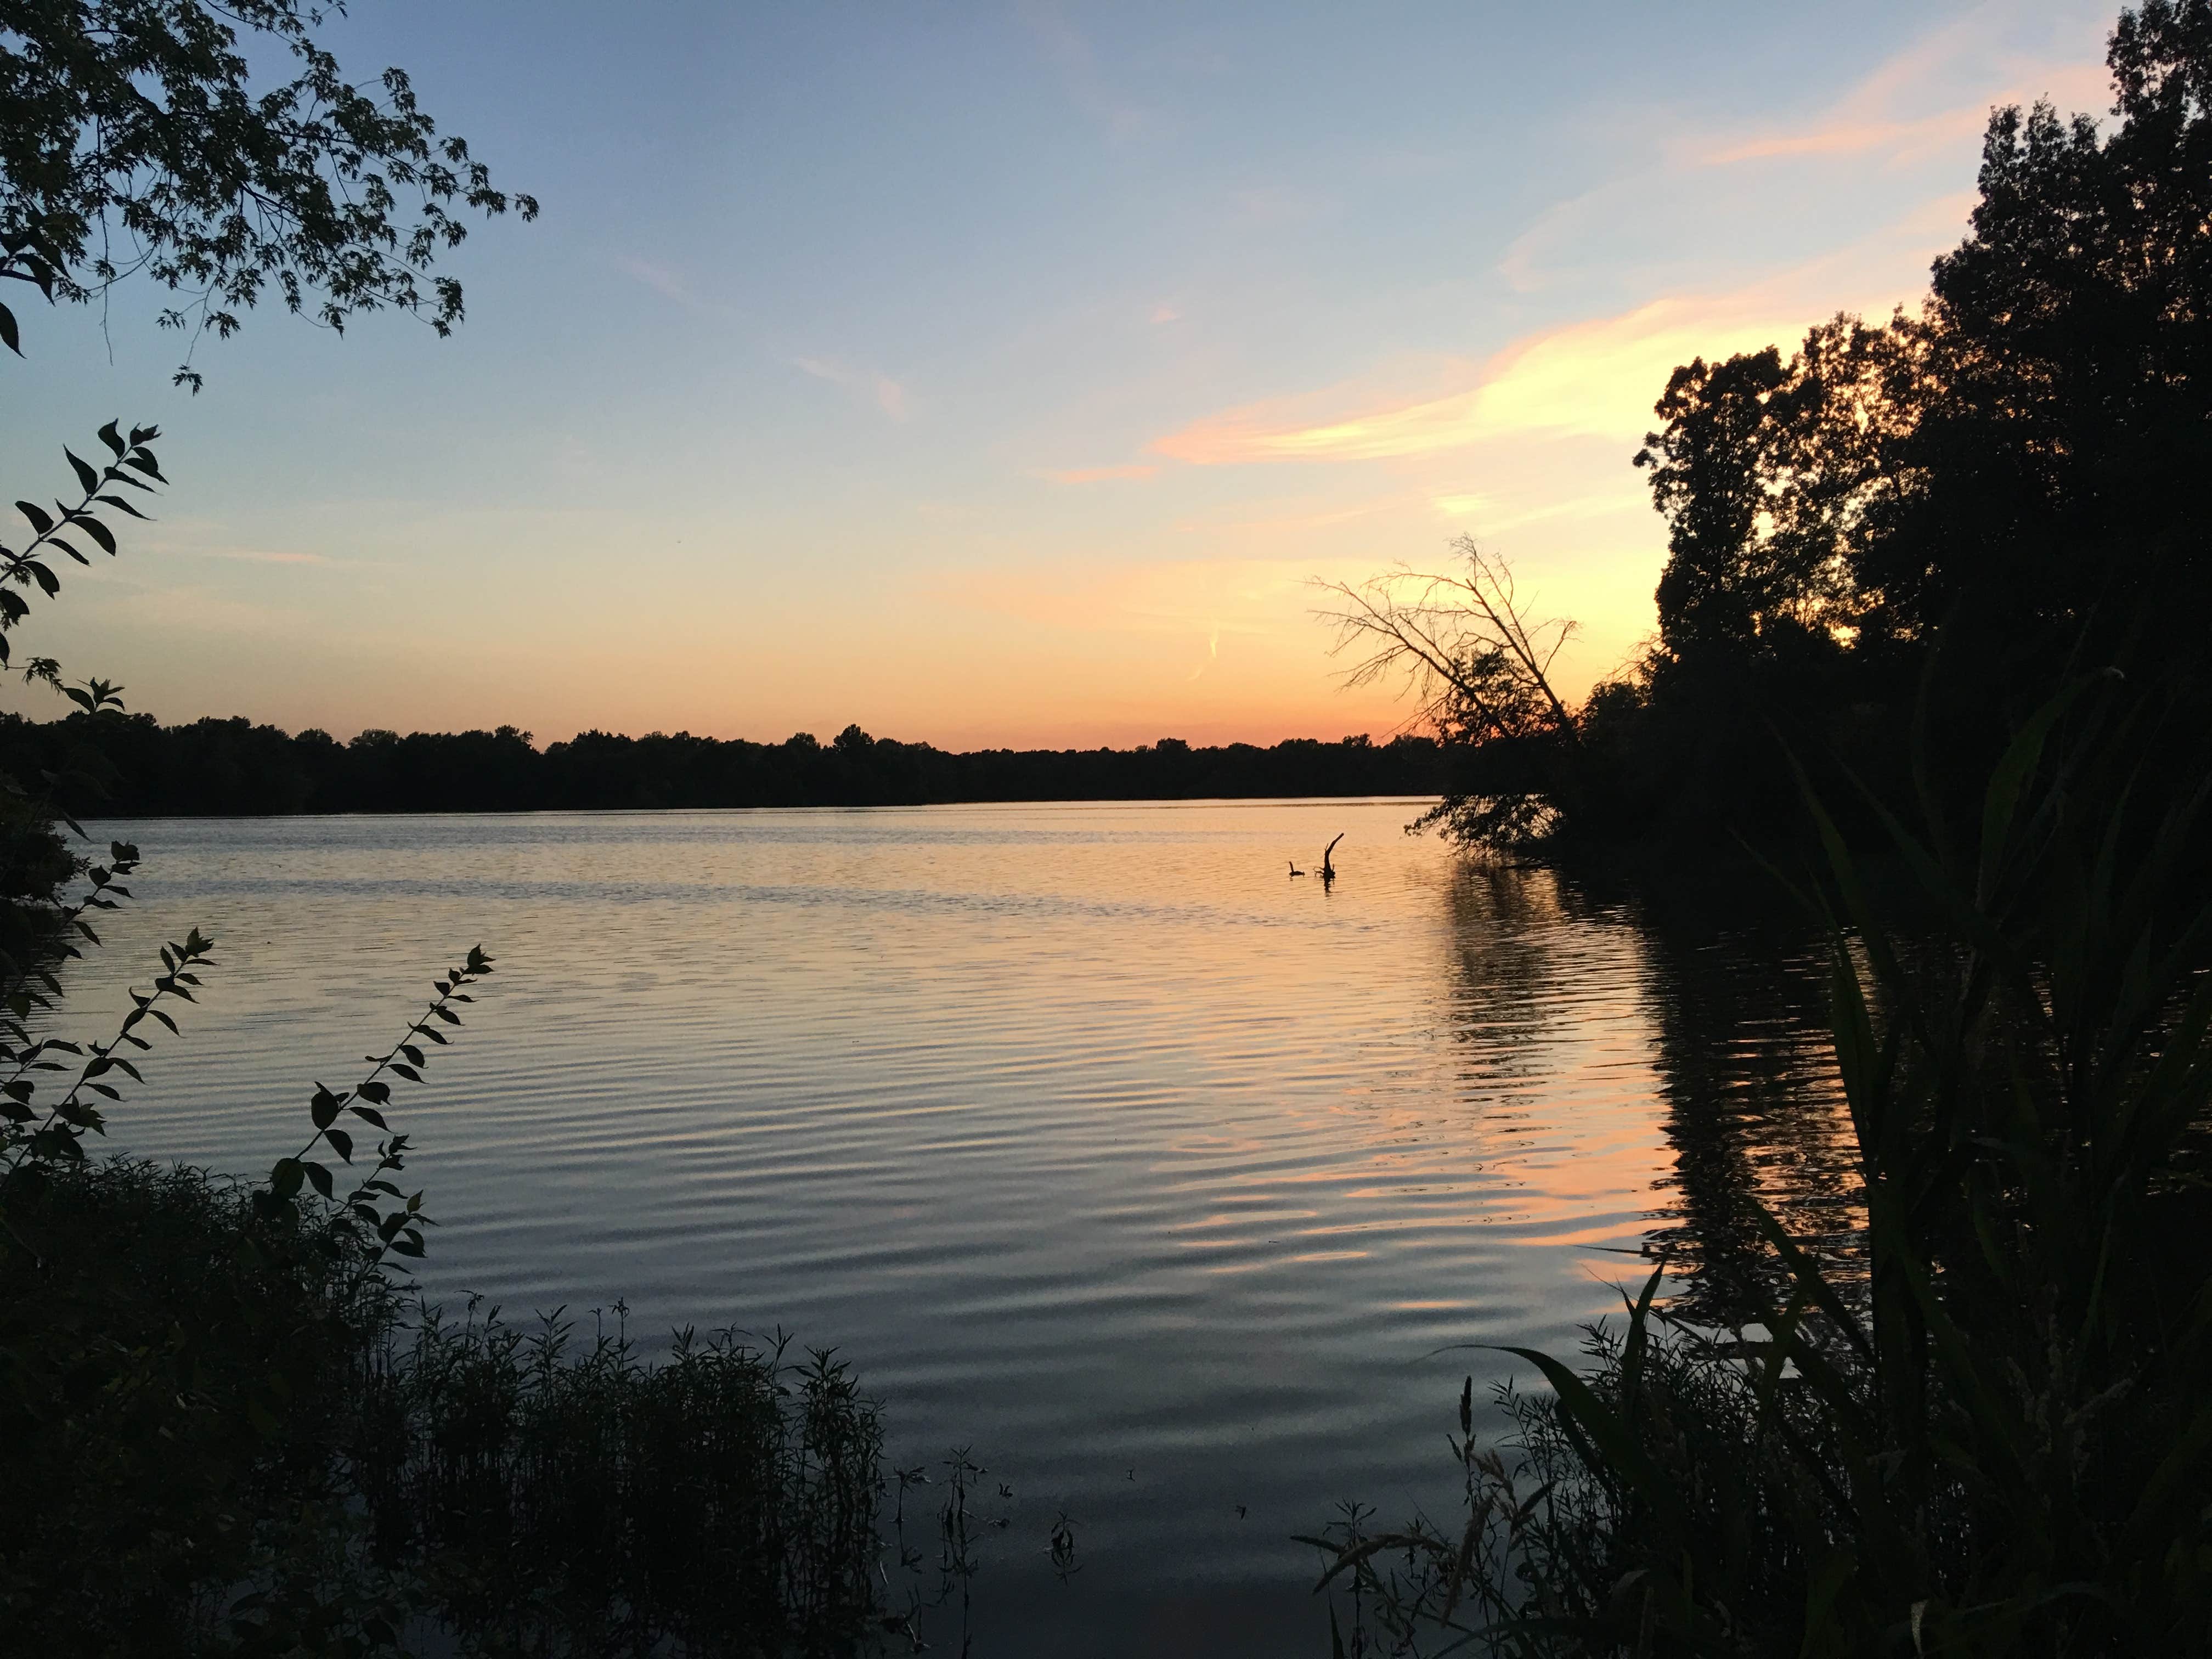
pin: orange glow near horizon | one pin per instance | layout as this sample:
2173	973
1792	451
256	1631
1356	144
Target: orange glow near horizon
1080	501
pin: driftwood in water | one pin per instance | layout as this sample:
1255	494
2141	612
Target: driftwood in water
1329	869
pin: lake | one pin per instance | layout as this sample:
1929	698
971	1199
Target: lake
1166	1183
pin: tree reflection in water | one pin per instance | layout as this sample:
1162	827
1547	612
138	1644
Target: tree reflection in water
1734	1052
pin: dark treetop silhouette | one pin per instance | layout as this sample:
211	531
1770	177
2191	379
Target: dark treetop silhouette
230	767
137	138
1975	495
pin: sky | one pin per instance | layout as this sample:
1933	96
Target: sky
998	375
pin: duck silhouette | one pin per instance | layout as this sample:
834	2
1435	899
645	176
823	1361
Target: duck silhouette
1294	868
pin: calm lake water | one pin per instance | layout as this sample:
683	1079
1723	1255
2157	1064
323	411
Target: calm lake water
1101	1146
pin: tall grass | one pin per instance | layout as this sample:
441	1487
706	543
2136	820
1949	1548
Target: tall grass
224	1437
1996	1439
560	1495
174	1377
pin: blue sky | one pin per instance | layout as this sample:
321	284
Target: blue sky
1001	374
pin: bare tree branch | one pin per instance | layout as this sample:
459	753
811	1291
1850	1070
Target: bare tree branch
1478	663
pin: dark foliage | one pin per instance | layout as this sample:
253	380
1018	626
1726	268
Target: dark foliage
228	1436
1983	1430
2002	485
1480	667
554	1495
1980	496
169	1366
135	136
35	862
224	768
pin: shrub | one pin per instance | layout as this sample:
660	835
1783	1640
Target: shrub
560	1496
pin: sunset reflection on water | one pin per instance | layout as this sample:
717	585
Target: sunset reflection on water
1101	1146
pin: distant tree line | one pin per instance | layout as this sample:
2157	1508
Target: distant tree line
223	767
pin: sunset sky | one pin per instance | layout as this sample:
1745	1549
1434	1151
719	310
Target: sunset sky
1003	374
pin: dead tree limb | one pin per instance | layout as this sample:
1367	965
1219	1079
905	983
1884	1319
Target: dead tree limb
1477	662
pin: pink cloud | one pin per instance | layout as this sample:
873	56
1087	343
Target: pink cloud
1596	378
1936	92
256	556
887	394
1848	137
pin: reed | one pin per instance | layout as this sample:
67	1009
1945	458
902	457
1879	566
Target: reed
227	1436
1996	1437
555	1493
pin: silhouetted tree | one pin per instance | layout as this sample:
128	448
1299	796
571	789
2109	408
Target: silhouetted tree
1479	668
2002	482
2016	467
233	766
137	136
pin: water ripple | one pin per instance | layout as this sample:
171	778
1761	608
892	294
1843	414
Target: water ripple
1098	1144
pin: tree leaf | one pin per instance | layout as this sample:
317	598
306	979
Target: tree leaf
323	1108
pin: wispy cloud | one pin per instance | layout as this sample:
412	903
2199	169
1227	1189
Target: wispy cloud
1628	501
1936	92
260	555
677	287
1069	49
190	538
669	284
1165	598
1085	474
1596	378
887	394
198	611
1848	136
1213	651
1916	115
1276	524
